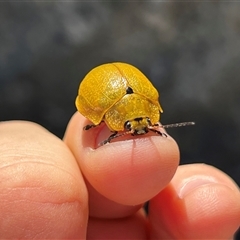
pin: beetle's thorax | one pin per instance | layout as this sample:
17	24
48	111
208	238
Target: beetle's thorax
132	110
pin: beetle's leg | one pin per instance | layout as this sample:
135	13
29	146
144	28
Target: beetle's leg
112	136
158	132
89	126
152	127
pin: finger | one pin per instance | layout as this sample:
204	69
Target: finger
128	172
99	205
200	203
134	227
42	192
102	207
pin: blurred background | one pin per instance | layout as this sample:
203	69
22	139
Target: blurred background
189	50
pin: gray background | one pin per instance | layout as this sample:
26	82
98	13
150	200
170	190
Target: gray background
189	50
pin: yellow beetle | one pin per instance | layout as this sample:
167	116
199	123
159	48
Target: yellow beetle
121	96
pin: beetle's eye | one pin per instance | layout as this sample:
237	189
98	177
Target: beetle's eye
128	126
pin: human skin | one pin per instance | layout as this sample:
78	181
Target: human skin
72	189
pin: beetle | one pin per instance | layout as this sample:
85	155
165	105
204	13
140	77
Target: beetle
121	96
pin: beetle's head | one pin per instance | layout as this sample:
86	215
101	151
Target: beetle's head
138	126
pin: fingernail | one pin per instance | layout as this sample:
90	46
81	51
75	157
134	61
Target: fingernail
193	183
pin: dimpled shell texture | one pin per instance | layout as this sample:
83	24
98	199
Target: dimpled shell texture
105	86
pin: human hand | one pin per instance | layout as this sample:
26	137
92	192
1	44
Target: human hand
44	194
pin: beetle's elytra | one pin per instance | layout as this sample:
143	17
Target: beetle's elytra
121	96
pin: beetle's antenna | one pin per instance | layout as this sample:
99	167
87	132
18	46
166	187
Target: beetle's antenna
182	124
116	134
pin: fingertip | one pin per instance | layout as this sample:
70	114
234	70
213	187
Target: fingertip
131	172
208	209
128	172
